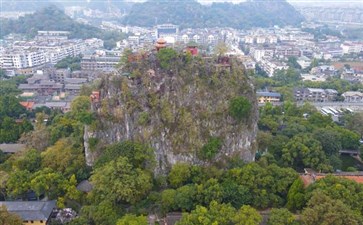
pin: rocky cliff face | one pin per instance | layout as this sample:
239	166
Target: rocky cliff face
176	109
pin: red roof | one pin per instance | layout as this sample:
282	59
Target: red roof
27	105
309	179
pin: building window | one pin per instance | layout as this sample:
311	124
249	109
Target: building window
41	221
31	221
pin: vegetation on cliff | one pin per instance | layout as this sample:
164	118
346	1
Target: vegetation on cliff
187	108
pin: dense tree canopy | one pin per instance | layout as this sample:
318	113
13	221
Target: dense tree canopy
120	182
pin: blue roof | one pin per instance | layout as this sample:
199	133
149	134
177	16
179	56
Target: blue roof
30	210
268	94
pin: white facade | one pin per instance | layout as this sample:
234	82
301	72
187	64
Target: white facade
350	47
22	60
270	66
249	39
304	62
259	54
28	57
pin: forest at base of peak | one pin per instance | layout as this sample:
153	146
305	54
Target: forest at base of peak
193	14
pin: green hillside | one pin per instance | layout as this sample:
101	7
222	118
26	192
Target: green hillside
190	13
53	18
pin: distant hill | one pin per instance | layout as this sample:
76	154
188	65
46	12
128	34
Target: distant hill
190	13
48	18
53	18
33	5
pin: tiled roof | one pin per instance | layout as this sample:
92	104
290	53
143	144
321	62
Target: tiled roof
12	148
31	210
269	94
27	105
310	178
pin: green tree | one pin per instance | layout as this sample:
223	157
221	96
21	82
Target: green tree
267	186
247	215
103	213
240	108
27	160
81	104
321	209
209	191
210	149
355	123
304	151
139	155
168	200
180	174
81	109
119	181
7	218
185	197
345	190
281	217
48	182
286	77
220	214
130	219
166	57
236	195
18	183
296	197
65	157
329	139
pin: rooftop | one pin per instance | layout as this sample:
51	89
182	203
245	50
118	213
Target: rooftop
12	148
268	94
31	210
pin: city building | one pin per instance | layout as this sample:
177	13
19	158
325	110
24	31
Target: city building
352	47
99	63
353	96
304	62
315	94
270	66
265	96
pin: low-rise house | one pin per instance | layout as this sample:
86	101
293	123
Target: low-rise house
265	96
271	66
62	105
314	78
304	62
315	94
12	148
324	70
31	212
353	96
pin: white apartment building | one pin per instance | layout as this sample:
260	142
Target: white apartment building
27	56
20	60
261	40
271	66
54	54
259	54
249	39
304	62
352	47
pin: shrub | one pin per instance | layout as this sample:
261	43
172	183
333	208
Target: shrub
239	108
210	149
